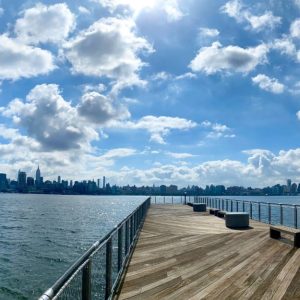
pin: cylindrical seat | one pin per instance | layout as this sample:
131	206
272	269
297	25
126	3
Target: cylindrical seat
237	219
199	207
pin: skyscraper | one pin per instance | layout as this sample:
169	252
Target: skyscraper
59	179
103	182
38	176
21	179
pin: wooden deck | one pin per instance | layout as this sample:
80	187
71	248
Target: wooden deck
185	255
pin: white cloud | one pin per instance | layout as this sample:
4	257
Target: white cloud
216	58
295	29
119	153
180	155
217	130
268	84
170	7
83	10
18	60
1	11
100	109
285	45
42	24
240	13
50	120
267	20
172	10
158	127
187	75
108	48
208	32
161	76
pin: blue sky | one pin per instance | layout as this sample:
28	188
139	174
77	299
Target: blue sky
150	92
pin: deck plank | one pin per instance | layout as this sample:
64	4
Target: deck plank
182	254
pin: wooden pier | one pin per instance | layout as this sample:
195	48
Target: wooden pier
183	255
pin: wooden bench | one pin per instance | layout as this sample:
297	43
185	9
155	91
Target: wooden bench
221	213
213	211
275	233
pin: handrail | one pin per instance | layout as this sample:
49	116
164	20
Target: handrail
228	205
133	222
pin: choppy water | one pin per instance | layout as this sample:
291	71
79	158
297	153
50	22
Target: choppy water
42	235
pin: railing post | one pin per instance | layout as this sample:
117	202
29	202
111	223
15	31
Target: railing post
237	205
108	274
243	206
281	214
231	206
172	199
126	237
86	293
269	209
120	248
295	216
250	210
259	216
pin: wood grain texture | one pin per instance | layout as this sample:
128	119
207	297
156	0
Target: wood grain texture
183	254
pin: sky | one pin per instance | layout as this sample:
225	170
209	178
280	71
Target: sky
185	92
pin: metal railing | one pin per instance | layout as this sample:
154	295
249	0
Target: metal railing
97	274
266	212
171	199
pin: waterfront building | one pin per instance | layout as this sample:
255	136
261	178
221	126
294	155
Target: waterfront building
3	182
59	179
104	184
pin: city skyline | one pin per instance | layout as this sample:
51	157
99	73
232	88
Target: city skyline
151	92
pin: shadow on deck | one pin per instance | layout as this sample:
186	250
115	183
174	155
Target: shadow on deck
182	254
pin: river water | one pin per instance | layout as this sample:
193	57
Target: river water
42	235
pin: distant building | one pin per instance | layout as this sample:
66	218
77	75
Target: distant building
104	184
3	182
30	181
38	180
59	179
21	179
98	183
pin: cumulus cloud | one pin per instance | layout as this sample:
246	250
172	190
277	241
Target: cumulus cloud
18	60
217	58
158	127
110	48
100	109
170	7
217	130
42	24
295	29
50	120
285	45
240	13
268	84
208	32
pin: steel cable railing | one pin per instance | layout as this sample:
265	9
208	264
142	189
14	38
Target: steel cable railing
97	273
266	212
